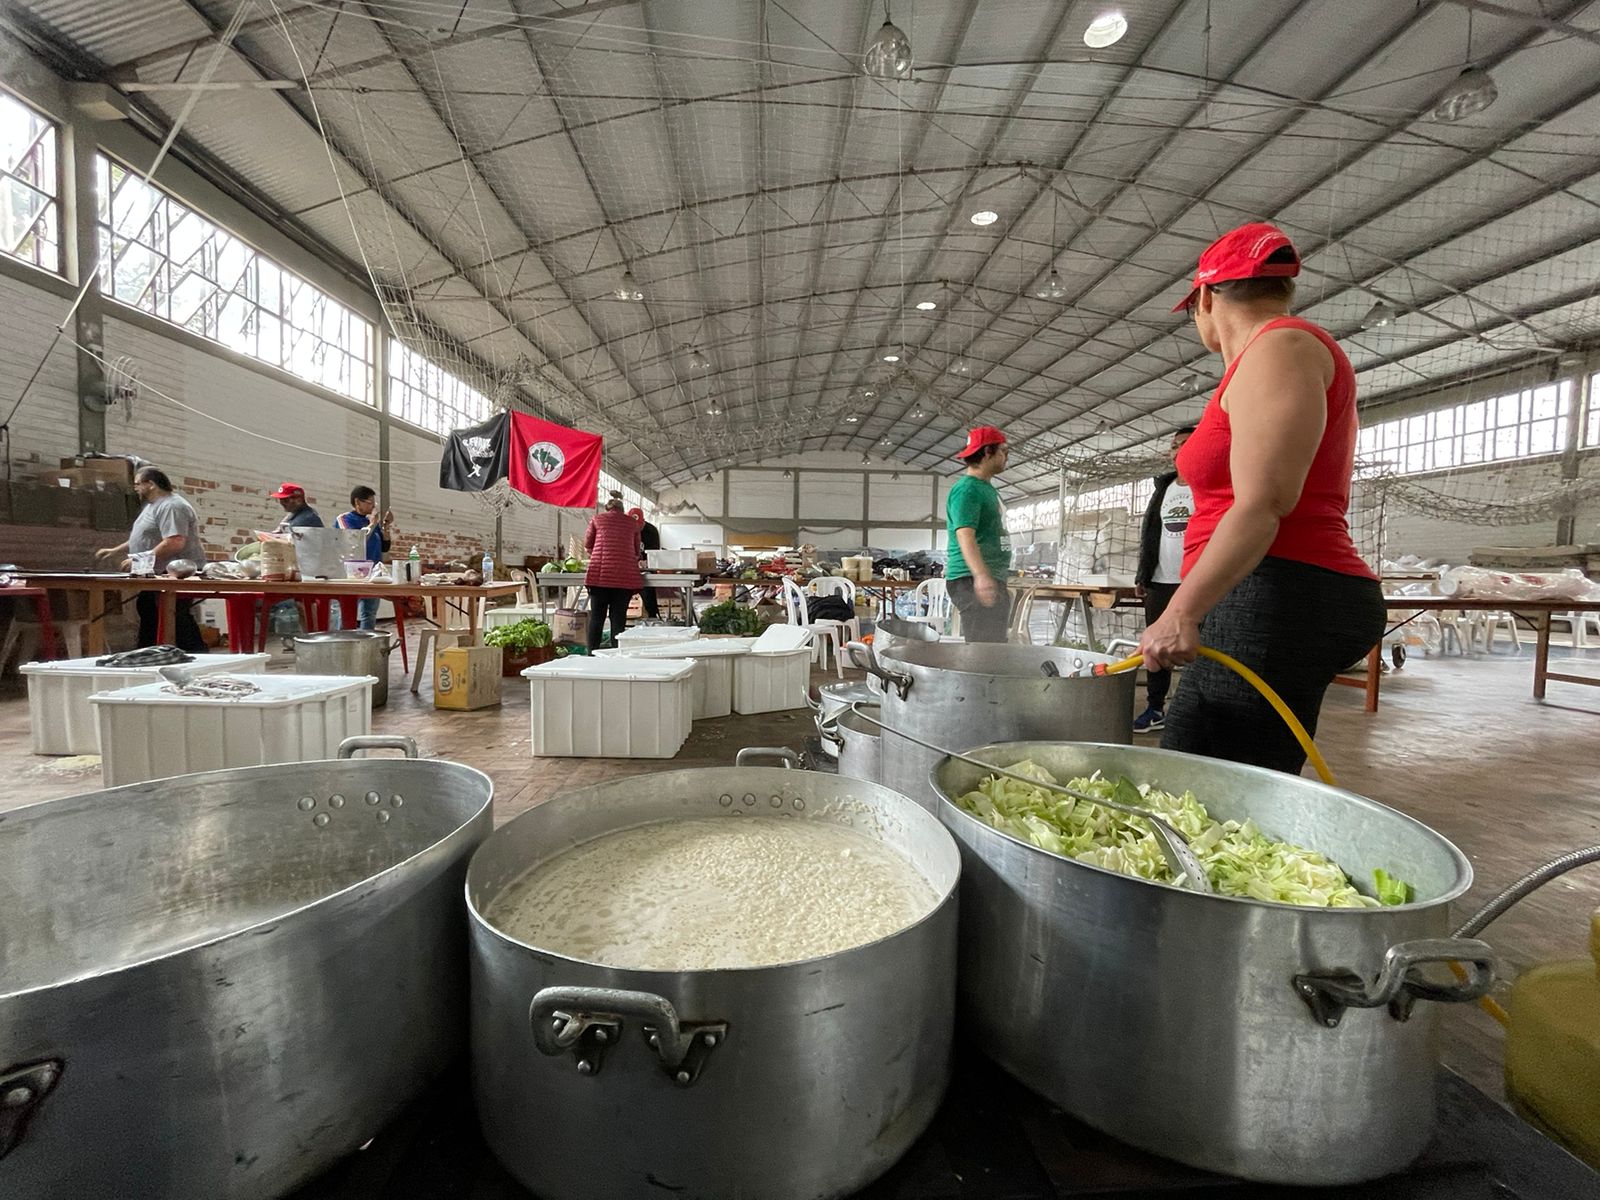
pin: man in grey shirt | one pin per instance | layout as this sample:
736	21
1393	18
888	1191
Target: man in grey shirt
168	528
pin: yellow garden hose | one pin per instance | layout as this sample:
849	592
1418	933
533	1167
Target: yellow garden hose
1260	685
1487	1003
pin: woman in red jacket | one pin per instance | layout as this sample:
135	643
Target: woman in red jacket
1270	574
612	540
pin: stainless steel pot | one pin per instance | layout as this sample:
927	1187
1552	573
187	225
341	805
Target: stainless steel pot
961	695
1262	1040
794	1082
835	698
216	985
856	744
347	652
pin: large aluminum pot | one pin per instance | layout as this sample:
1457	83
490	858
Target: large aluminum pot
347	652
216	985
960	695
835	698
1234	1035
793	1082
856	743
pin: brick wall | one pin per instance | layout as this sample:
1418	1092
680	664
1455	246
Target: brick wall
229	459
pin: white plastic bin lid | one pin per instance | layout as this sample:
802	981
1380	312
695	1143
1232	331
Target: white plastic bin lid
211	664
659	633
704	648
780	639
620	666
273	690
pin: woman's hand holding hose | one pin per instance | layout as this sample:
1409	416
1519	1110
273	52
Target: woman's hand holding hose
1172	641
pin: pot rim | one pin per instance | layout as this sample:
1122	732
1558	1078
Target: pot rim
381	878
1463	882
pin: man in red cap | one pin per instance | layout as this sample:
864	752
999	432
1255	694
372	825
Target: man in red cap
297	513
649	539
978	556
1270	575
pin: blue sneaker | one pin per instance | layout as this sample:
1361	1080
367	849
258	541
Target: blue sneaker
1150	721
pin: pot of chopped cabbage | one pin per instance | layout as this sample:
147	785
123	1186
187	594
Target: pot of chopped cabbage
1281	1028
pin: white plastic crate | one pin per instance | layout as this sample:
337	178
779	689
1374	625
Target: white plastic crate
771	682
149	733
713	660
494	618
671	560
638	637
59	712
620	706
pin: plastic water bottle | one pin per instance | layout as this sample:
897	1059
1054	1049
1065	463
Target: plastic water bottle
413	566
488	567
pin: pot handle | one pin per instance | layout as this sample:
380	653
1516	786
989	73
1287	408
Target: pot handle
378	741
751	755
588	1021
22	1091
862	656
1399	983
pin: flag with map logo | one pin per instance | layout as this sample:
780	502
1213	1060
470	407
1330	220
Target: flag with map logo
554	464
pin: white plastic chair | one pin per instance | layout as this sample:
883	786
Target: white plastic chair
1489	624
825	635
931	595
833	585
1580	623
454	629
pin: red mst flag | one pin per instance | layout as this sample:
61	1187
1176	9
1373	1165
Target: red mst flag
554	464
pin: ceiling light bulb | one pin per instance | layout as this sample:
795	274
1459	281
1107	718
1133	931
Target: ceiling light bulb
886	440
865	458
1105	30
787	473
960	367
888	55
698	360
629	288
852	418
927	305
986	217
1052	288
920	414
714	409
1380	314
868	393
1472	92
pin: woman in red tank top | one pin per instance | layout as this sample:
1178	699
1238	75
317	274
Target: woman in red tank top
1270	574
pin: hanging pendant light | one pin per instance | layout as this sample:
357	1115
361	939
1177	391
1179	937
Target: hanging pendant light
1052	288
698	360
886	440
714	409
888	55
960	367
866	459
851	418
1380	314
629	288
1471	93
921	412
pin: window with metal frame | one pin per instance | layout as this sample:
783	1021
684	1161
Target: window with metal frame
162	257
424	394
30	181
1521	424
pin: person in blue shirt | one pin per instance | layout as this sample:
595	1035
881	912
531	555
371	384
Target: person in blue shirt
297	514
363	506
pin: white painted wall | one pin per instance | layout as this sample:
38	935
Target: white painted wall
259	427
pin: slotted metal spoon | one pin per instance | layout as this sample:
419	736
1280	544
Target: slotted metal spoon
1181	860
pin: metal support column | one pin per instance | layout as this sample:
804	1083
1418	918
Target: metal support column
80	246
1577	416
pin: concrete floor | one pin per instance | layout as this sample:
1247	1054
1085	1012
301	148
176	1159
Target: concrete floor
1458	743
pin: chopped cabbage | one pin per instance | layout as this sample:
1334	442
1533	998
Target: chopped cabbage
1238	858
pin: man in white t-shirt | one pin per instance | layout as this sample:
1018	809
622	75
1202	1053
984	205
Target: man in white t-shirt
1166	519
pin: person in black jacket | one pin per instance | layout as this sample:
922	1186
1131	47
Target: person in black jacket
1166	518
649	539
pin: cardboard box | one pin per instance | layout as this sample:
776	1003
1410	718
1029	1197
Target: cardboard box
467	677
117	471
90	478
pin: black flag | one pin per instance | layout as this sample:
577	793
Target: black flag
477	457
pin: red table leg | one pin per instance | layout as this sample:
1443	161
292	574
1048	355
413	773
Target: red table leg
47	628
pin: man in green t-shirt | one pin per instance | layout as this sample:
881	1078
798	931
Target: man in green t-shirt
979	555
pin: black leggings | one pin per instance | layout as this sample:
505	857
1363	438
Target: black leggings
186	636
1295	625
604	603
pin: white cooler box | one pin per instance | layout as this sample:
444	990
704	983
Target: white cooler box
58	695
621	706
713	660
148	733
771	681
639	637
663	561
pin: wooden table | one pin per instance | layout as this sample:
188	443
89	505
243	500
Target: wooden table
41	607
672	581
119	584
1542	611
1086	597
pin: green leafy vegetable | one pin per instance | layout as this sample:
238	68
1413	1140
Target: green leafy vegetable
728	617
1238	858
1390	890
526	634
